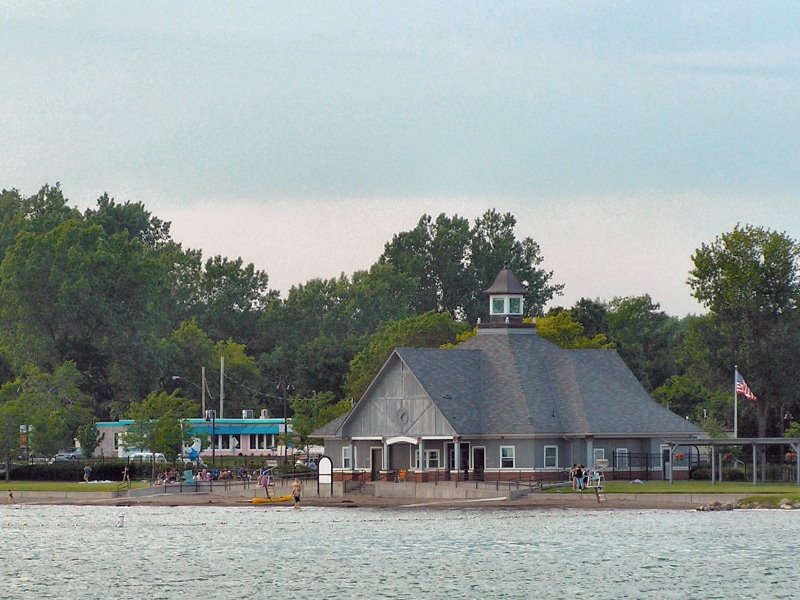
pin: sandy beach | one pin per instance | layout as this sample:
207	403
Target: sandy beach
532	501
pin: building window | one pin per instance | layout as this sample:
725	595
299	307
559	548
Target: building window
506	457
599	454
550	457
225	442
498	306
432	459
260	441
621	458
119	440
515	306
347	457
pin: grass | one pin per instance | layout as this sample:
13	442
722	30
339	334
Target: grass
65	486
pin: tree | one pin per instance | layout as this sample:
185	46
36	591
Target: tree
562	330
160	424
231	297
592	315
50	406
186	351
312	412
89	438
74	294
453	263
493	245
646	338
430	330
12	415
748	279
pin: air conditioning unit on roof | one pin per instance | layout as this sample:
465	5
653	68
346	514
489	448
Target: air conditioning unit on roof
264	413
247	414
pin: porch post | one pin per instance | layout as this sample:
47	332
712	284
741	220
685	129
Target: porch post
457	454
796	448
714	463
755	468
590	452
385	457
421	446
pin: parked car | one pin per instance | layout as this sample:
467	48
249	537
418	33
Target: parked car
67	456
147	457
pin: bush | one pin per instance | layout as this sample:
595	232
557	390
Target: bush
704	474
73	471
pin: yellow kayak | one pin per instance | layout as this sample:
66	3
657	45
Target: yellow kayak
273	500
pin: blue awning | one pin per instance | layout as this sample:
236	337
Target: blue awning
239	429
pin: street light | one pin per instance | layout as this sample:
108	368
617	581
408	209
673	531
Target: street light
286	386
211	415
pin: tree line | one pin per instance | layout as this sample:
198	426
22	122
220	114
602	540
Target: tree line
103	314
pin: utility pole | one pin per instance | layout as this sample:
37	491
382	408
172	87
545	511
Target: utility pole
221	384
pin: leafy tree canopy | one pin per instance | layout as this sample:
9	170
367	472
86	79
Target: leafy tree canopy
561	329
429	330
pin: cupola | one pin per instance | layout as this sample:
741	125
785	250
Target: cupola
506	298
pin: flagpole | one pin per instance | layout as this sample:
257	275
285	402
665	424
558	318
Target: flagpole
735	402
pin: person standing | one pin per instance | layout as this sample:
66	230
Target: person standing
126	476
10	497
264	476
87	473
297	488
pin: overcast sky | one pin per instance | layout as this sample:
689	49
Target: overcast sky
302	136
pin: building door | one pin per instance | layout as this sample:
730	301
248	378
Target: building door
376	456
665	466
478	463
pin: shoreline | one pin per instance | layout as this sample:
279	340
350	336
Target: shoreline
530	502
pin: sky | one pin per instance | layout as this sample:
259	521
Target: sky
303	136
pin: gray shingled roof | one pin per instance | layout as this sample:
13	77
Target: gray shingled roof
512	381
519	383
449	378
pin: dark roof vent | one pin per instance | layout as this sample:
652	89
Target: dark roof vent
506	283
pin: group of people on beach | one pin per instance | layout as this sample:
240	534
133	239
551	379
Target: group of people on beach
579	476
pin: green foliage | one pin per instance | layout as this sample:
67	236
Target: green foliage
685	395
160	424
50	405
430	330
76	293
561	329
313	412
453	263
89	438
748	278
646	338
793	431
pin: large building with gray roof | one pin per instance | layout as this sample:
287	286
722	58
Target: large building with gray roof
505	402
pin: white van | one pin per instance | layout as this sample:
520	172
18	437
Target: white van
147	457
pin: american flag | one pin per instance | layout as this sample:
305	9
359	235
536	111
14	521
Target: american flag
744	389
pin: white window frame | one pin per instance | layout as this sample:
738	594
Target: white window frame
347	457
501	299
598	454
554	462
506	309
512	456
429	459
119	440
618	454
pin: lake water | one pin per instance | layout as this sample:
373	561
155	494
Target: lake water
78	552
